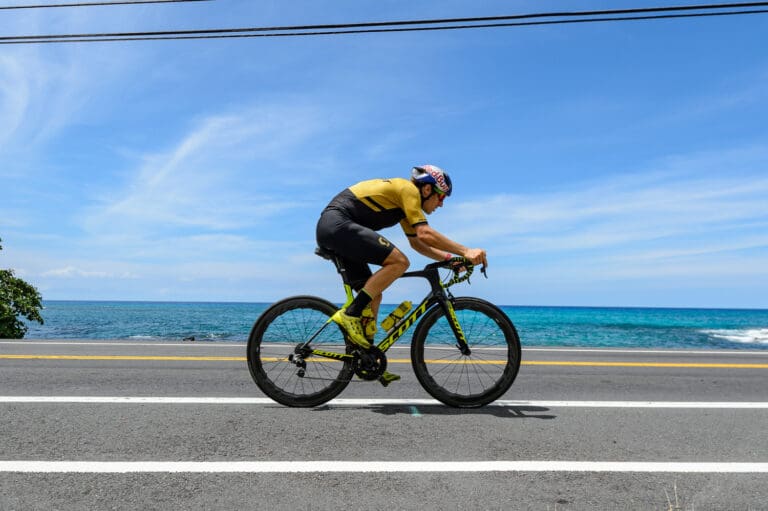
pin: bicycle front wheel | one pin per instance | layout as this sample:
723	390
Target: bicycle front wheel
272	347
466	380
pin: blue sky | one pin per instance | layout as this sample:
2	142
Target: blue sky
615	164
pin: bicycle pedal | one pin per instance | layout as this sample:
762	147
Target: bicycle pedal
387	378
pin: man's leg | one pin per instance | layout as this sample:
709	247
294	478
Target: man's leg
376	304
391	269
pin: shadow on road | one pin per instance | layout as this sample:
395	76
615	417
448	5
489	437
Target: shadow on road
504	412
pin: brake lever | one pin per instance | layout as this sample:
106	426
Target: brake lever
482	269
457	270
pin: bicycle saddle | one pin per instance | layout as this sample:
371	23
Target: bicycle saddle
324	253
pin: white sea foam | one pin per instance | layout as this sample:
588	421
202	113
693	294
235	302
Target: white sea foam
745	336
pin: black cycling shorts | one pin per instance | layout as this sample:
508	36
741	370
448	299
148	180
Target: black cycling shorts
355	244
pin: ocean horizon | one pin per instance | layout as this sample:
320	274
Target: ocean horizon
569	326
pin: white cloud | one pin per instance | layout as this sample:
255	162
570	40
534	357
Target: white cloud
71	272
38	97
14	97
46	90
625	212
223	174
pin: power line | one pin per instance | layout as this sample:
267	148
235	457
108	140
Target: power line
222	33
398	26
564	14
91	4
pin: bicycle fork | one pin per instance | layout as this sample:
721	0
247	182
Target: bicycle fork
450	313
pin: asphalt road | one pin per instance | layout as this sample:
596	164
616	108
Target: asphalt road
131	425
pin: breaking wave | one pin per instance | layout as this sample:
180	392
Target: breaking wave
744	336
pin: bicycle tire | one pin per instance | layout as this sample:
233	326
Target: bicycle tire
275	335
466	381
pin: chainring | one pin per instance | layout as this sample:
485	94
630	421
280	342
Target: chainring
369	364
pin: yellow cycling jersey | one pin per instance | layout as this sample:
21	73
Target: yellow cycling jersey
379	203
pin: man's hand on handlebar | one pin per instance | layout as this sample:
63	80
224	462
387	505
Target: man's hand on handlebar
477	256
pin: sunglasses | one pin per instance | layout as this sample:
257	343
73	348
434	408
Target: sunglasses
440	195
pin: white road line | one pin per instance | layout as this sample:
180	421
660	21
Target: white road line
142	400
123	467
646	352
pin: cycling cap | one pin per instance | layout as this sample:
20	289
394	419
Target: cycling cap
430	174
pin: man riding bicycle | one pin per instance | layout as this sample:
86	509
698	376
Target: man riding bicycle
348	228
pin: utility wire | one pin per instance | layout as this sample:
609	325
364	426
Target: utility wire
232	33
434	21
358	28
91	4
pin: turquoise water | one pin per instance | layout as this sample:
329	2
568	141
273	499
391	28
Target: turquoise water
538	326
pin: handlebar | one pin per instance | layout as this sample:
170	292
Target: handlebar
456	264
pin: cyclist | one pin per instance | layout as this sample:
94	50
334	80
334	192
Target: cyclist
348	228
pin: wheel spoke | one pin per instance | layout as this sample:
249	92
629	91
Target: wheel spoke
278	334
471	380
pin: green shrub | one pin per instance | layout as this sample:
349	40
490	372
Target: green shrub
17	298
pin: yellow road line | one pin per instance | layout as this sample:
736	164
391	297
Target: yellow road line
122	357
395	361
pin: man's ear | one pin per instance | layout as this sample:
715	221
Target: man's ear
426	190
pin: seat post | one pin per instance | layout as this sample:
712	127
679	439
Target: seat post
337	262
341	269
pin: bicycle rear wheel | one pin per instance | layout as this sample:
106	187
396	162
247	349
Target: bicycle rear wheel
459	380
275	337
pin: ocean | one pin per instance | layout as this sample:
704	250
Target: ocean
537	326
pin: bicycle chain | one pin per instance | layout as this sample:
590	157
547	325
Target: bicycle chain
365	374
331	379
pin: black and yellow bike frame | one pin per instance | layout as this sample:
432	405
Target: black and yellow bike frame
438	296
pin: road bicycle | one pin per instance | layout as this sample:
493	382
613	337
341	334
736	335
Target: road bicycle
465	351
